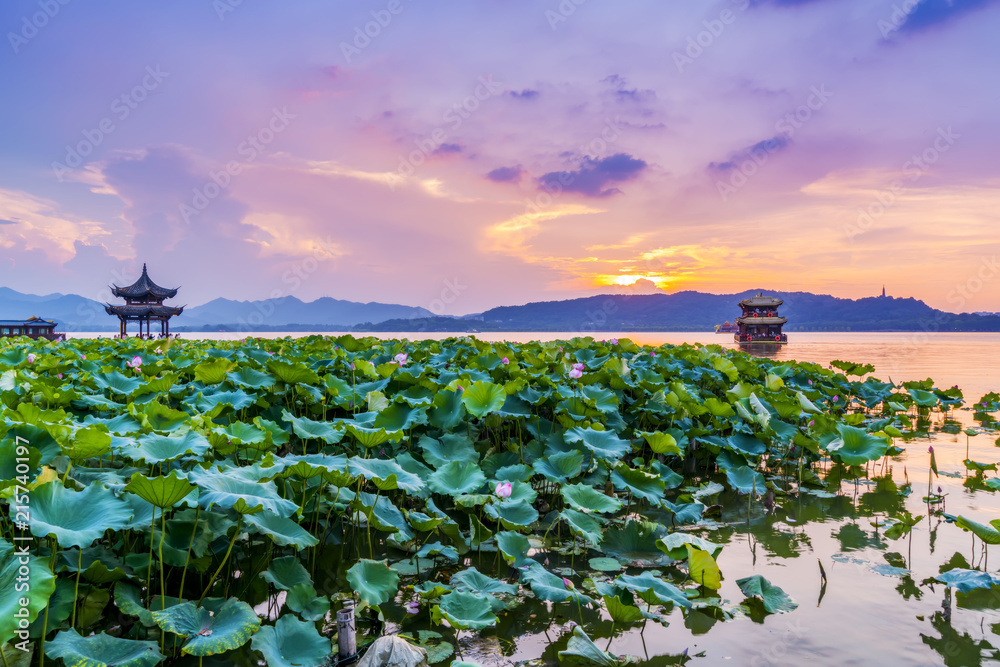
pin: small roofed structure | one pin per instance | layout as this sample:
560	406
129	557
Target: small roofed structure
144	304
33	327
760	322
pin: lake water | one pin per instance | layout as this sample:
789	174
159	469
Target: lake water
970	360
877	607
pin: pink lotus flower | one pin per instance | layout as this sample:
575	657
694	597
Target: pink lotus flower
135	363
401	358
412	607
930	450
576	374
652	354
613	341
578	366
83	357
31	358
505	361
459	387
504	489
836	398
810	381
568	584
352	366
812	422
59	375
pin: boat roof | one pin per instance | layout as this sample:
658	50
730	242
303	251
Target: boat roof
31	321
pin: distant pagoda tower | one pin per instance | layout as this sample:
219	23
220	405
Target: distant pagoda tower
760	322
144	304
883	291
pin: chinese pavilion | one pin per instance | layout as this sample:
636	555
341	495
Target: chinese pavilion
144	304
760	322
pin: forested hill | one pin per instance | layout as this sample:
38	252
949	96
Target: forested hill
697	311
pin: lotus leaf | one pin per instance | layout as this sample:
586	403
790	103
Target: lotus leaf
291	643
76	518
283	531
373	581
40	584
482	398
456	478
102	650
465	611
163	492
856	447
303	600
208	633
774	599
285	573
588	499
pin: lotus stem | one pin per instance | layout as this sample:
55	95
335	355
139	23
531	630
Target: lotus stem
149	568
76	588
236	533
45	622
163	584
187	559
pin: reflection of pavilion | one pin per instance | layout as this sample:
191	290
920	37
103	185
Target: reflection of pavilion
144	303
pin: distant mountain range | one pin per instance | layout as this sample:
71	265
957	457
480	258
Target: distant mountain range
683	311
76	313
697	311
291	314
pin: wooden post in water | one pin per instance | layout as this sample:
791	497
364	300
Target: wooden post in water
346	632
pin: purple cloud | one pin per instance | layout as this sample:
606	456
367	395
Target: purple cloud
506	174
593	176
775	144
932	12
526	94
447	149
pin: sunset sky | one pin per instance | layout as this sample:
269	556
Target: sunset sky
463	155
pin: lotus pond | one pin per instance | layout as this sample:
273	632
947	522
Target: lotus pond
215	503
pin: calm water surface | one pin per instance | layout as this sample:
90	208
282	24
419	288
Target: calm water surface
877	607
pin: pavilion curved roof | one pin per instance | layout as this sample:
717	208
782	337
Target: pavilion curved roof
144	287
761	320
761	301
142	311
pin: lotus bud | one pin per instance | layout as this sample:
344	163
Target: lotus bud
505	361
614	341
504	489
568	584
31	358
